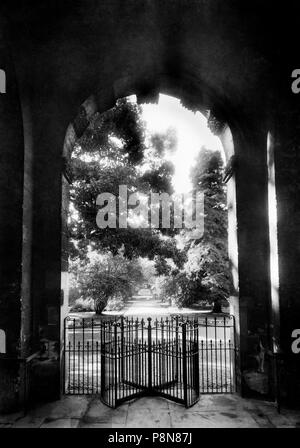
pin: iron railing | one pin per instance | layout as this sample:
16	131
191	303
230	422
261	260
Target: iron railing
178	357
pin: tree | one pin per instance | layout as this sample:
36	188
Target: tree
111	153
212	249
104	277
114	151
206	273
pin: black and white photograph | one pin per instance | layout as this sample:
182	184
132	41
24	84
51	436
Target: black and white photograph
149	217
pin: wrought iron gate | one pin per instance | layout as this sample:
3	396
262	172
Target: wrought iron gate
123	358
149	357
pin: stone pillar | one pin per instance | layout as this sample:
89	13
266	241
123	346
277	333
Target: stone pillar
251	177
52	145
50	124
11	199
286	137
228	146
64	252
27	333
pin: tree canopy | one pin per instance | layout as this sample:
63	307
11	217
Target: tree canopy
116	150
206	273
113	152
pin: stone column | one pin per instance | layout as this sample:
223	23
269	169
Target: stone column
53	139
286	137
250	143
11	199
50	124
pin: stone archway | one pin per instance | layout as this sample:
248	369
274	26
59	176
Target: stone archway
179	51
221	129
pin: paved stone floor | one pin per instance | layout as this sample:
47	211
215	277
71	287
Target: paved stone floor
212	411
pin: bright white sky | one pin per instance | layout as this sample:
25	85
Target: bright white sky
192	133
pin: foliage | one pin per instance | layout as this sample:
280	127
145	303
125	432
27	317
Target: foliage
206	273
82	304
105	277
108	264
115	304
113	152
